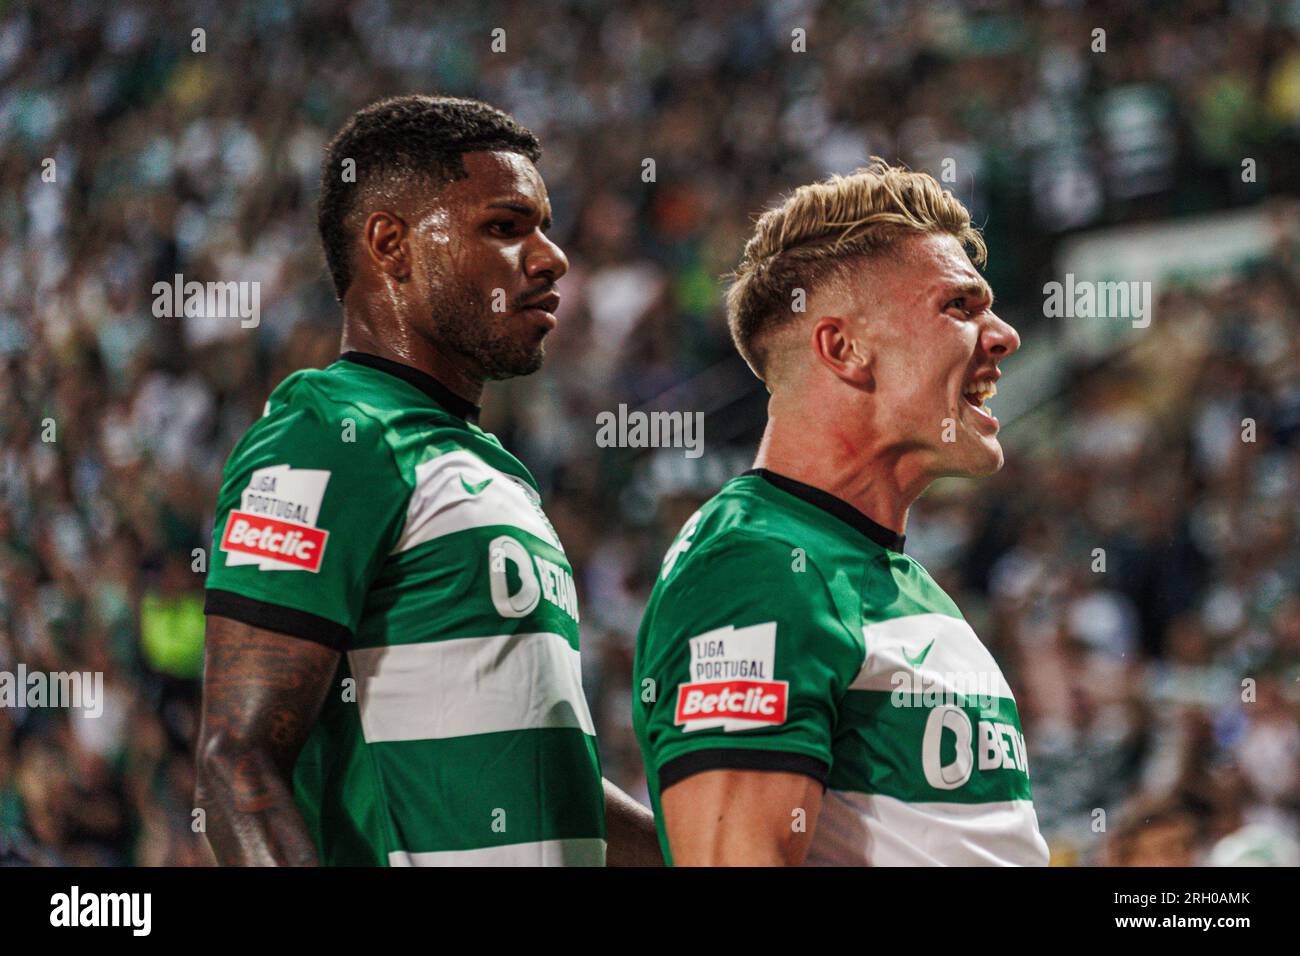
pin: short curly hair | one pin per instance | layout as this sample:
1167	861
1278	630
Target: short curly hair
821	228
397	141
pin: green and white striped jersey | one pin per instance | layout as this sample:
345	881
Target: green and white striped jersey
367	511
789	632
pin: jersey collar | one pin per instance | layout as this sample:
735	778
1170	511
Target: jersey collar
837	507
460	407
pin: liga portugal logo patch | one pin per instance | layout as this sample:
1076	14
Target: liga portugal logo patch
731	683
275	525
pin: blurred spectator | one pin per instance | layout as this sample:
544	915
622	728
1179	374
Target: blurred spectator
1159	833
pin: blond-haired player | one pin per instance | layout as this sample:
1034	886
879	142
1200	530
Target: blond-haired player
807	693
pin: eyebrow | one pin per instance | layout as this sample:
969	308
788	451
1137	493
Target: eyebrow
973	289
523	209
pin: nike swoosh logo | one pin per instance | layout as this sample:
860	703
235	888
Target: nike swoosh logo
474	489
916	661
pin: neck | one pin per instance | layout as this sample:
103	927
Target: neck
832	452
392	338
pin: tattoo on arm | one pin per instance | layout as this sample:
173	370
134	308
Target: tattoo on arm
262	692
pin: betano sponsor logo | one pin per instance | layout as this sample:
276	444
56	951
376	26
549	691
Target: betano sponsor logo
999	746
509	562
76	690
299	545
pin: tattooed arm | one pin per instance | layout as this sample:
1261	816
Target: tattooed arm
262	691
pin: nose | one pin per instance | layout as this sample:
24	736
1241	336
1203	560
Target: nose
545	260
999	338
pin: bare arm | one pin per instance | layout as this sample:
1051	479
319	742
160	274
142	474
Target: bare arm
741	818
631	831
262	691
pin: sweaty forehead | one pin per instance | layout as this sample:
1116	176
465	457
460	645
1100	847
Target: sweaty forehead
499	175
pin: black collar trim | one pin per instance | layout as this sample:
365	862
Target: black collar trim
837	507
460	407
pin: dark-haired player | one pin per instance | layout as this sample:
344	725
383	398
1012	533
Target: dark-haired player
392	646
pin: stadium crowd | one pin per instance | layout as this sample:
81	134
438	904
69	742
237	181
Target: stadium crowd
1160	696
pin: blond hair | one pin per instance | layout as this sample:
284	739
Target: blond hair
821	227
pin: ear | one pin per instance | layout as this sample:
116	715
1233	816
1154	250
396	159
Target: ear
836	348
387	244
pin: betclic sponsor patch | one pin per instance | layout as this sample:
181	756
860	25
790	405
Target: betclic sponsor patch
275	524
731	683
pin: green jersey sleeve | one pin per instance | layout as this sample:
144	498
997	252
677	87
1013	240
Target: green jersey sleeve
742	660
311	503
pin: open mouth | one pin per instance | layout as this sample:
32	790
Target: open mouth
977	395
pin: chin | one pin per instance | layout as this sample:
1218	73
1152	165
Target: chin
500	368
532	361
991	467
991	461
978	460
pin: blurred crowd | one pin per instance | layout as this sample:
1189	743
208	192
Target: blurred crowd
1134	568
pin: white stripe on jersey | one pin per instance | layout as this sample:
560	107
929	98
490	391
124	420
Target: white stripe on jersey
862	829
957	655
586	852
469	685
458	491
